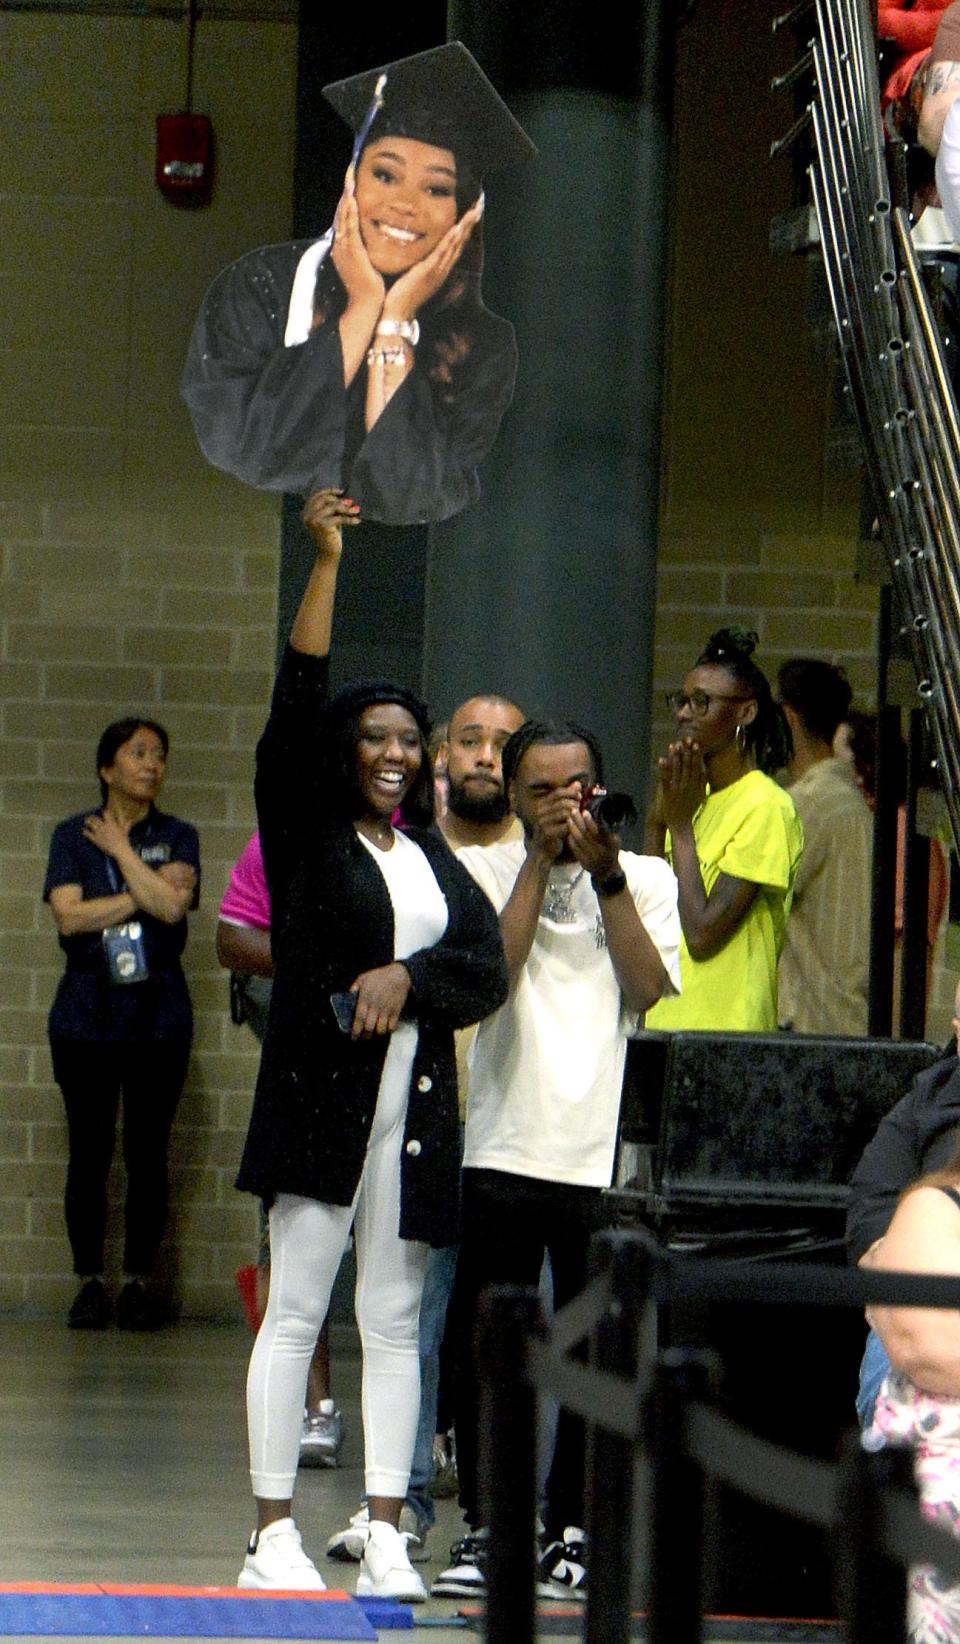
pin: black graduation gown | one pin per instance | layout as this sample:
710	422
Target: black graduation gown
280	418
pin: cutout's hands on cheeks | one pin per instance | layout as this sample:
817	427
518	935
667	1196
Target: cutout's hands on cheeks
349	255
424	279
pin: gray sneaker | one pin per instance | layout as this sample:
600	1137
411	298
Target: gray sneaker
320	1439
444	1482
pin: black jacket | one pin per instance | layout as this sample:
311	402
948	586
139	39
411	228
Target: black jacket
917	1136
332	919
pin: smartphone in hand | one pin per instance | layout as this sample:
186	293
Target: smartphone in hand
344	1006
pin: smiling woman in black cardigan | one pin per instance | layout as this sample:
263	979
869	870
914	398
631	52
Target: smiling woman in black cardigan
354	1128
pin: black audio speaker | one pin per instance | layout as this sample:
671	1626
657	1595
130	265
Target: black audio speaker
755	1137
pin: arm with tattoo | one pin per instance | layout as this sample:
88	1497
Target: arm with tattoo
940	92
708	922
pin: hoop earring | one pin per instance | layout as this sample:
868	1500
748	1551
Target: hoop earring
740	738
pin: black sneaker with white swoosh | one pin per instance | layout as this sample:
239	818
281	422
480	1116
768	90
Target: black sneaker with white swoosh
562	1568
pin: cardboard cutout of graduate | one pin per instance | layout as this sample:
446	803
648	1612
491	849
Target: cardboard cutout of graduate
366	359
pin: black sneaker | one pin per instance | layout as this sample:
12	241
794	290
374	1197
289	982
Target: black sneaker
91	1307
137	1309
562	1570
466	1574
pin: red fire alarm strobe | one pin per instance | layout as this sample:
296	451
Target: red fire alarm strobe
185	158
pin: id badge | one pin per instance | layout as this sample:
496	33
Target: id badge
126	953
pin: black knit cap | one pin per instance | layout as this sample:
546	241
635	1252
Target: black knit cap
441	97
365	693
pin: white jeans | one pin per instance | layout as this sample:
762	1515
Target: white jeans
307	1240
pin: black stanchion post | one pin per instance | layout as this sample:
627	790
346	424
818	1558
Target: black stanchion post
677	1500
507	1319
610	1458
871	1586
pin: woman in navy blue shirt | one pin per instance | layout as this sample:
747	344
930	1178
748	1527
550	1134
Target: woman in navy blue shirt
119	882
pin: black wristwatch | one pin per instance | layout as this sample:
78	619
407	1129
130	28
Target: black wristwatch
612	885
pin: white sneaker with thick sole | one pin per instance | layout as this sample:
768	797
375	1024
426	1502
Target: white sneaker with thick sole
346	1546
275	1558
385	1568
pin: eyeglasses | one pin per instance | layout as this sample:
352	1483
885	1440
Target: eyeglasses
699	701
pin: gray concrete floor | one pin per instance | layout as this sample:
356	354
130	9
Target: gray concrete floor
125	1460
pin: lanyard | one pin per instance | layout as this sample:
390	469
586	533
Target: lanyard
116	884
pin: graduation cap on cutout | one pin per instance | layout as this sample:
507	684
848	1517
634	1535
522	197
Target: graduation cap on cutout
441	97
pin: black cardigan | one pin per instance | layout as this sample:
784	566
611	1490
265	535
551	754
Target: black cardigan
917	1136
331	919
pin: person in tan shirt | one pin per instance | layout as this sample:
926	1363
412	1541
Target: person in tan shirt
823	973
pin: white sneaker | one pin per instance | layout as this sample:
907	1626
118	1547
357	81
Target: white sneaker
275	1558
346	1546
385	1569
414	1530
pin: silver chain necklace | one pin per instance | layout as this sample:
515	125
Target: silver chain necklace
558	900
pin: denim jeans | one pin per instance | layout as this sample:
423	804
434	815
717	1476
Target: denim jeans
437	1288
873	1367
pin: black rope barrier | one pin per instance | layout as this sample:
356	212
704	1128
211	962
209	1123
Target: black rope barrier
916	1540
765	1472
676	1277
579	1317
798	1284
585	1390
657	1448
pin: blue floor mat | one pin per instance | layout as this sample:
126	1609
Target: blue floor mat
108	1611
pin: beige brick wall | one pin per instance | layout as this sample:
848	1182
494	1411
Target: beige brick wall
134	579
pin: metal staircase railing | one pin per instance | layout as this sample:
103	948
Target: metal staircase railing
892	357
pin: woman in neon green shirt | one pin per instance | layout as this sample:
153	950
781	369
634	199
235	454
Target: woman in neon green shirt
733	838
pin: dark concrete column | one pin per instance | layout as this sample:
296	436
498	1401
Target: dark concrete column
545	590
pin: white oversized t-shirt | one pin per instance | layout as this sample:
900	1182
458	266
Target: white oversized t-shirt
547	1067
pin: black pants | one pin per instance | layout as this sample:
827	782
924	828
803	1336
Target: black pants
92	1078
509	1223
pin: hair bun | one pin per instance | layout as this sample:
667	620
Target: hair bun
730	642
